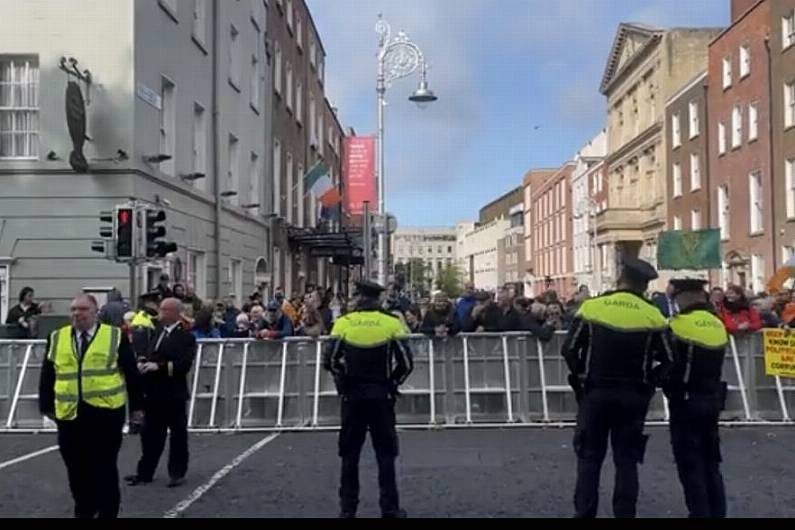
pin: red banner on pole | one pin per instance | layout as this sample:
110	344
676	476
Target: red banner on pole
358	170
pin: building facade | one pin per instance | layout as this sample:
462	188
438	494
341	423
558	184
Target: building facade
688	171
782	63
462	228
531	180
434	246
552	241
646	66
585	208
479	253
177	115
739	150
510	251
305	130
500	208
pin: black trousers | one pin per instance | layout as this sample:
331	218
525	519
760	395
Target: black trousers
90	448
618	414
696	446
377	416
161	416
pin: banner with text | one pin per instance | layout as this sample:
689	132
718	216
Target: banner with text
358	168
779	348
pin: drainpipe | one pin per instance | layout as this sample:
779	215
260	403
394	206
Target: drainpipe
774	224
707	184
216	150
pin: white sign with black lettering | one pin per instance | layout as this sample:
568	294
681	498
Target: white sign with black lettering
149	95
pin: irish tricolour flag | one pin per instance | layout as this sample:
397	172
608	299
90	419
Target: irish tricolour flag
319	184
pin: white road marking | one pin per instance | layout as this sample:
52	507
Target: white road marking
197	494
30	456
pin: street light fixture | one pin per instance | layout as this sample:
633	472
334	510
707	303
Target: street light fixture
398	57
423	96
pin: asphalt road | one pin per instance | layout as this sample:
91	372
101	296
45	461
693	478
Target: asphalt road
456	473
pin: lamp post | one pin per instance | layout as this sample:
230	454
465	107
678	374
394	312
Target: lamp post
398	57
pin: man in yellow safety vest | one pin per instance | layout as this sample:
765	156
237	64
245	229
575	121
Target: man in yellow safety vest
87	378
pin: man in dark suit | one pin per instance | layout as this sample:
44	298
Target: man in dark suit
165	369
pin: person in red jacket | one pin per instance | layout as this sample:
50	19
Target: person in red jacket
737	314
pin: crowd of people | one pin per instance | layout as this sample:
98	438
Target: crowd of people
313	314
742	311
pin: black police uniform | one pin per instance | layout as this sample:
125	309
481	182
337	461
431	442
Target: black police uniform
696	397
369	360
165	399
616	350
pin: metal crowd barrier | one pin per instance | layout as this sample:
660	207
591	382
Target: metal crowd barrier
473	380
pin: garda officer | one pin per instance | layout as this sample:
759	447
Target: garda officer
144	322
616	350
369	359
82	387
696	397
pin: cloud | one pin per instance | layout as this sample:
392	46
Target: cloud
500	67
420	145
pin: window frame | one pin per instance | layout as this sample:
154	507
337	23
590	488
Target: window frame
31	137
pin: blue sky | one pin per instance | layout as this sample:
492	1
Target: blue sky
518	82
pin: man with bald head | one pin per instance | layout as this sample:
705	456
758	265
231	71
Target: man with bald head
165	370
87	378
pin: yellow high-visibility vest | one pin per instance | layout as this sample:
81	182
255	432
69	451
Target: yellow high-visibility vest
98	381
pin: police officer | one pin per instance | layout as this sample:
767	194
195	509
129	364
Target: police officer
616	350
369	359
696	397
87	378
144	322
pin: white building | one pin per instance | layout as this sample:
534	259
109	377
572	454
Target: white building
585	209
461	230
183	81
435	246
479	252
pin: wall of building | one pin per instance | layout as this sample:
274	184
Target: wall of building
552	241
782	63
694	196
500	207
50	213
479	251
732	169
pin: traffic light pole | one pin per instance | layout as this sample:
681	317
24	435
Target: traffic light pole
133	284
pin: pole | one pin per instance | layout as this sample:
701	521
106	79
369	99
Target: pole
367	242
592	223
382	257
133	285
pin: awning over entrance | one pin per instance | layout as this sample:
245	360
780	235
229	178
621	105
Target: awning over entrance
344	248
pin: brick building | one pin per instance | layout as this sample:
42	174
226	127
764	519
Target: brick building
688	171
782	62
552	257
739	147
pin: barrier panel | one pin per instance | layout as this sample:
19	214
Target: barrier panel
476	380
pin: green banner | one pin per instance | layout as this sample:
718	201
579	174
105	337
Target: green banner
679	250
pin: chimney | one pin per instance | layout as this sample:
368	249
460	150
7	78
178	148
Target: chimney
739	7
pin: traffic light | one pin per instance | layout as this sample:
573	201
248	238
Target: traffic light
105	232
125	233
156	247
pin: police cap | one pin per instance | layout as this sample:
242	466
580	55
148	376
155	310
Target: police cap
370	289
688	284
151	296
639	270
